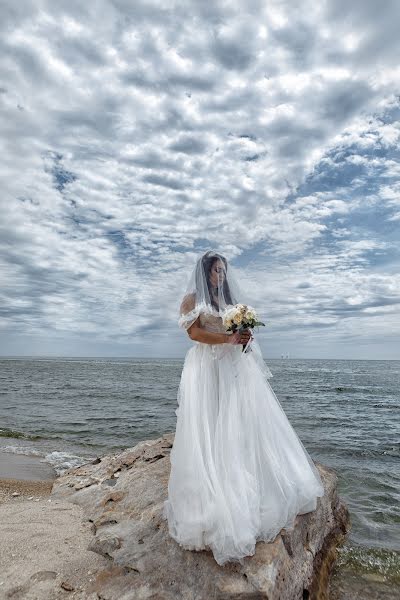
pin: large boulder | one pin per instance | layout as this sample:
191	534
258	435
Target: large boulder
122	496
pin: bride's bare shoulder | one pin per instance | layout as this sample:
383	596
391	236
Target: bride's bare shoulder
188	303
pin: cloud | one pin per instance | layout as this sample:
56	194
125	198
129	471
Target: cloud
134	141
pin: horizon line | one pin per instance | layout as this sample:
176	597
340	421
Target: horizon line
183	357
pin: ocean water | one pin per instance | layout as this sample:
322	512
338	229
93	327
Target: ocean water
346	412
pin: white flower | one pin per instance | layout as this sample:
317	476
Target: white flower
227	321
250	315
238	318
238	315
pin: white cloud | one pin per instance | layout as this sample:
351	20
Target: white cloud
131	141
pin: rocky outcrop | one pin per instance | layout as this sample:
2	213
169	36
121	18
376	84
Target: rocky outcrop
122	497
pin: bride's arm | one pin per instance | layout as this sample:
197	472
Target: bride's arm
197	333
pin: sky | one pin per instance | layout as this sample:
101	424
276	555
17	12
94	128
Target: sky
134	136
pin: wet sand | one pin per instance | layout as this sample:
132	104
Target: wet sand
25	476
23	467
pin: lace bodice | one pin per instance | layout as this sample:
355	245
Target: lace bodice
212	323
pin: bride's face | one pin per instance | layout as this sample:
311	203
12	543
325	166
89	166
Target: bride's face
217	273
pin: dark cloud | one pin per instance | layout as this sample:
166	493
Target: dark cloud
188	145
300	40
168	182
151	159
346	99
232	55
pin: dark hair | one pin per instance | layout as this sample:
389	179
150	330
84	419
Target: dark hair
207	262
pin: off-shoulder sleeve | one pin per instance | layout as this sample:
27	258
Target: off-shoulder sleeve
188	311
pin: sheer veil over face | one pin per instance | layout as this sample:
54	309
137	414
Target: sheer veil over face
212	287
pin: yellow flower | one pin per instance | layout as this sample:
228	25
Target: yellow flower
227	320
238	318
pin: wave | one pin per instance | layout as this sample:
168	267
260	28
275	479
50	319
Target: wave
26	450
348	389
365	559
13	433
59	460
337	448
62	461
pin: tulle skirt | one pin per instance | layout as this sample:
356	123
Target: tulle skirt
239	472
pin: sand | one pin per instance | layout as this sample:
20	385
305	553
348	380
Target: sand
43	549
22	467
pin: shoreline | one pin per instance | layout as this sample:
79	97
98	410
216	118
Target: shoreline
24	476
25	467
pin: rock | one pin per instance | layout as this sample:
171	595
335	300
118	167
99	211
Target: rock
122	496
66	585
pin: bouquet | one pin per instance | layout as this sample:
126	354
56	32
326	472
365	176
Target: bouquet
239	318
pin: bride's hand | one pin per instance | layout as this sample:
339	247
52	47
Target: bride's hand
245	336
240	338
234	338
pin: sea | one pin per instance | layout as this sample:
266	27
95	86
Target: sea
68	411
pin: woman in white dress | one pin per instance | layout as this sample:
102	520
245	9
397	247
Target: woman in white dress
239	472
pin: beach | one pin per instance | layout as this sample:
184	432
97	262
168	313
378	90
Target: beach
43	550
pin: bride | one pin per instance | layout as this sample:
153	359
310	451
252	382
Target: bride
239	472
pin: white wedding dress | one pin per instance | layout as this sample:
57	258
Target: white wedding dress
239	472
